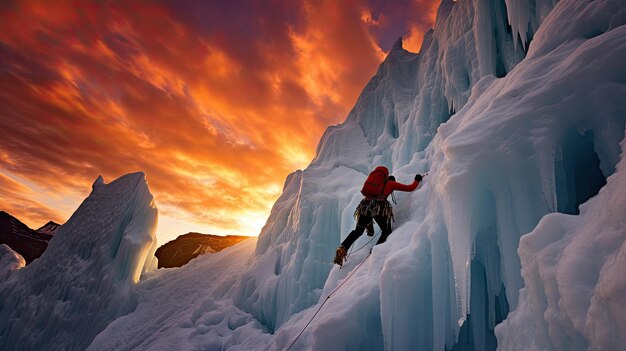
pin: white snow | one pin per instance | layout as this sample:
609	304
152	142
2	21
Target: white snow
9	261
189	308
512	124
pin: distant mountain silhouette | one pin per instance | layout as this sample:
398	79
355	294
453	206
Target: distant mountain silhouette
27	242
49	228
183	249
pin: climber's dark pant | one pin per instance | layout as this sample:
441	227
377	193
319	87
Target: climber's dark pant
364	221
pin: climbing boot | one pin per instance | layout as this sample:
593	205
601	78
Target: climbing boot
340	255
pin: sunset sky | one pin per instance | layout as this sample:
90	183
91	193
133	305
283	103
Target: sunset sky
216	101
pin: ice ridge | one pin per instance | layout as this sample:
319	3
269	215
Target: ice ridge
86	277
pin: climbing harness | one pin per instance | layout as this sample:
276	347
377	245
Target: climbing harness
393	198
328	297
373	208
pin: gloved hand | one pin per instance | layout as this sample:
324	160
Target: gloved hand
418	177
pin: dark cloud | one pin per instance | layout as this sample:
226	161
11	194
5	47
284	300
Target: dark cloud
406	18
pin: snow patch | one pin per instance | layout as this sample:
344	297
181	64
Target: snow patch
9	261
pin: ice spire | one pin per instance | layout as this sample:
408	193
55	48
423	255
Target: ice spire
92	266
97	182
397	45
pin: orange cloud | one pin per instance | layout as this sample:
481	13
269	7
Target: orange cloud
216	104
14	199
426	11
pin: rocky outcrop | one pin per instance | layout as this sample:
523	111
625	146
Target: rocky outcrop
20	238
183	249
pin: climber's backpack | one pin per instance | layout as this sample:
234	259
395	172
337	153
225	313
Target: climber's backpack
375	183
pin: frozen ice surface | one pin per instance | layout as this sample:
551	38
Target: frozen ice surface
86	277
573	267
526	16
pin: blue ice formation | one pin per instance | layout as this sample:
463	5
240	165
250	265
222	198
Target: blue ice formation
86	277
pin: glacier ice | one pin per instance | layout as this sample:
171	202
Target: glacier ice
525	17
575	293
86	277
516	110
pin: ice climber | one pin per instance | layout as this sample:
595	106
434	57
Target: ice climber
378	186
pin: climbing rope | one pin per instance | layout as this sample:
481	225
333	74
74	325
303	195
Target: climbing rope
328	297
360	248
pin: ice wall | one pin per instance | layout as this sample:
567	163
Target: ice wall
540	140
86	277
396	115
575	293
526	16
508	133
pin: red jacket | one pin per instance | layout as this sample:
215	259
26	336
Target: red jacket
393	185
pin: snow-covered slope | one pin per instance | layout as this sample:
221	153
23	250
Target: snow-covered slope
189	308
86	277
